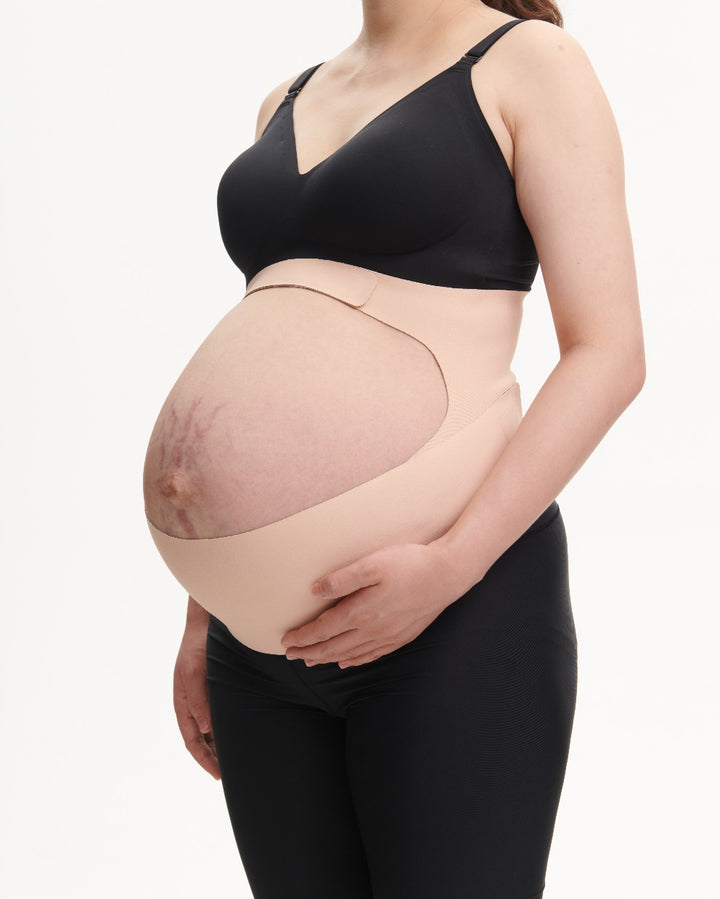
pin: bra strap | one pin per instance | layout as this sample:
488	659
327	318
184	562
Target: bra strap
480	48
301	79
474	52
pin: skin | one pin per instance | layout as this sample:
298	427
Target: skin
190	697
555	127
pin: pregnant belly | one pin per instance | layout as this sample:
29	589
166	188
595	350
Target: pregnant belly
293	398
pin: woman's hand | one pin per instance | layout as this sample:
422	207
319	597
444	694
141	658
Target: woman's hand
386	599
190	697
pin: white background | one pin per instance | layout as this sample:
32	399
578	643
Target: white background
118	120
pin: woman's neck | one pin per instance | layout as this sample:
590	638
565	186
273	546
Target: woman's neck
400	25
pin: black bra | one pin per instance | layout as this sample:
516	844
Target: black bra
421	192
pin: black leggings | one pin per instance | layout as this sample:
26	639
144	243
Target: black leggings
433	772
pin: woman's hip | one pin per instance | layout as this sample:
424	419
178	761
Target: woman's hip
510	638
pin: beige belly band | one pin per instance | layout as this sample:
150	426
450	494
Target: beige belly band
258	582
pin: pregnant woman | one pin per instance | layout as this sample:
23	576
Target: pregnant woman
380	658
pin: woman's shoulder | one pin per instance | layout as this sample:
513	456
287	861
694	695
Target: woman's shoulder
545	69
538	51
272	100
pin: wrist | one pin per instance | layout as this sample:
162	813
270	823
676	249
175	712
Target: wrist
463	566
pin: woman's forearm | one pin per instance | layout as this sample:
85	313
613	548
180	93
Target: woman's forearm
583	396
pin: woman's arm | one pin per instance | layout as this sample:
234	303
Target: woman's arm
190	695
569	176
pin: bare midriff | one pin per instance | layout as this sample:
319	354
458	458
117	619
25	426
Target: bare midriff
293	398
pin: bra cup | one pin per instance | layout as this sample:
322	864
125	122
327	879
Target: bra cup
386	194
256	198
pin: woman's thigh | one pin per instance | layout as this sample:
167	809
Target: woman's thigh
457	757
282	763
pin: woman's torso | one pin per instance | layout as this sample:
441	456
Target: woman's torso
294	398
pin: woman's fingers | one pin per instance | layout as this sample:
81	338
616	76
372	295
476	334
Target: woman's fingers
192	708
330	650
194	676
207	755
369	656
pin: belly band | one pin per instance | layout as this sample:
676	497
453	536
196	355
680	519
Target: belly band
258	582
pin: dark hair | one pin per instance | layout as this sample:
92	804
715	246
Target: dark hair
529	9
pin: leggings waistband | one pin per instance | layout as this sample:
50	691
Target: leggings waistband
543	520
